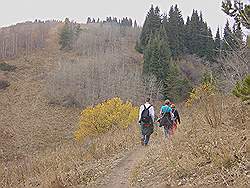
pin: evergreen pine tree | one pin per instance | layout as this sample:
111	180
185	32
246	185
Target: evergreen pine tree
217	43
176	85
135	24
68	34
175	31
238	37
130	22
242	89
88	20
228	38
238	11
187	36
157	56
205	40
151	26
209	53
198	37
202	36
194	32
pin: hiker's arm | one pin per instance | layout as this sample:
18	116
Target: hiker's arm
152	113
178	117
160	112
140	111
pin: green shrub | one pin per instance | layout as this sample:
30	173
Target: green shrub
6	67
242	89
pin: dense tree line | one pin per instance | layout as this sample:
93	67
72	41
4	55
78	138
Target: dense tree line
191	37
114	20
168	37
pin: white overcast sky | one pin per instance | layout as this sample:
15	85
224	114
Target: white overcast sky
14	11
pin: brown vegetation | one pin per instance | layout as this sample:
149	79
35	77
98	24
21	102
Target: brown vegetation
193	68
37	139
107	66
23	38
37	146
203	152
234	67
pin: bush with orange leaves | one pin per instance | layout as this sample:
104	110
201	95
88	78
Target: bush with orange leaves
111	114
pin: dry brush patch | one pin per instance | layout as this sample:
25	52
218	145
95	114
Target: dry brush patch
25	38
106	66
98	39
233	67
202	153
71	164
86	82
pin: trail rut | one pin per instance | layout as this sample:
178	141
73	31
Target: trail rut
119	177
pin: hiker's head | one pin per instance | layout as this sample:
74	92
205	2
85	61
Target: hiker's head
167	102
172	105
147	99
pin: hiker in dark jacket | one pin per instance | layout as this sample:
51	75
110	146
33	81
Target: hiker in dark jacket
146	119
176	118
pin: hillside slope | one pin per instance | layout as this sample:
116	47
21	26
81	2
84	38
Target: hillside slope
38	148
34	132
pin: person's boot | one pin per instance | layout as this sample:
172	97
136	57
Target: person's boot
142	141
146	140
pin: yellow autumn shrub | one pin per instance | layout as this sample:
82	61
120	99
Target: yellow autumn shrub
113	113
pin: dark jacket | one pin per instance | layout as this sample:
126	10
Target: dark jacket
176	116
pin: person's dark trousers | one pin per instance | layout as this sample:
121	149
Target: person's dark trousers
167	131
146	131
146	140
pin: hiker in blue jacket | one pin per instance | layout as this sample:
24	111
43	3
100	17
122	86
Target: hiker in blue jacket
166	120
146	120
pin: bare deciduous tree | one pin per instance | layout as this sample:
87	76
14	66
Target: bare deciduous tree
86	82
24	38
234	66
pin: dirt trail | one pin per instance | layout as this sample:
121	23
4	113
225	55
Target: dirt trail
119	177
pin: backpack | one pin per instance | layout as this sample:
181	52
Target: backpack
166	120
145	116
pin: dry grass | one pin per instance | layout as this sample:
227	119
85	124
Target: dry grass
37	147
201	154
37	139
70	164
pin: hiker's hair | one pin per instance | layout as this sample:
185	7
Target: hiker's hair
147	99
167	101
